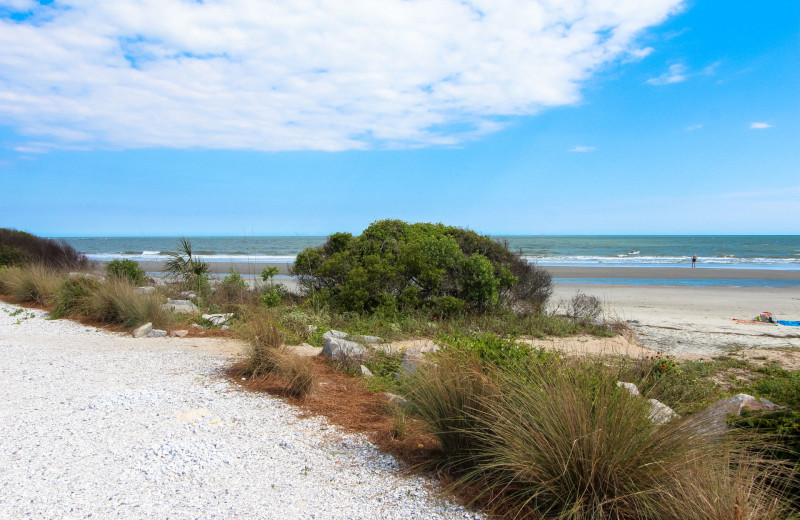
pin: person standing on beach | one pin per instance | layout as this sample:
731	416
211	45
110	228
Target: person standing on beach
694	259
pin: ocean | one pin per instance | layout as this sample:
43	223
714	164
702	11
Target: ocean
776	252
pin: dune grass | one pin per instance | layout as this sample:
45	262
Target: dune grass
32	283
266	353
557	438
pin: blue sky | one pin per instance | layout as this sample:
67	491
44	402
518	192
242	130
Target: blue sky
243	117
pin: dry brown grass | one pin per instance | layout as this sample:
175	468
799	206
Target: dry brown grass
33	283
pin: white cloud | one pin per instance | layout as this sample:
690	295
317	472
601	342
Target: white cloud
675	74
693	127
311	74
759	126
582	149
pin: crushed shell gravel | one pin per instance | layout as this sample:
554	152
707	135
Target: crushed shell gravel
101	425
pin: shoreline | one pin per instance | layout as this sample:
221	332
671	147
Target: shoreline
583	272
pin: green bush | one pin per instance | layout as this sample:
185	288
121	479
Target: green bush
192	271
395	267
127	269
19	248
72	295
29	283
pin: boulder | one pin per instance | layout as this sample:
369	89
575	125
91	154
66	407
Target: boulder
143	330
339	349
367	373
145	290
184	306
156	333
218	319
630	387
714	419
365	339
412	358
188	295
334	334
661	413
179	333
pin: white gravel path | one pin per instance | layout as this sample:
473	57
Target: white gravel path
95	424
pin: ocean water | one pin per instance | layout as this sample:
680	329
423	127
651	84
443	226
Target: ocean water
717	251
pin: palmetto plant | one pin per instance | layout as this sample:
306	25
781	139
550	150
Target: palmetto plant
185	265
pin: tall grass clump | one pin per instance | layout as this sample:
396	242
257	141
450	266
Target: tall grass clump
32	283
557	438
266	353
116	301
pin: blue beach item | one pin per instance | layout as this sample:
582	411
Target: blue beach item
789	323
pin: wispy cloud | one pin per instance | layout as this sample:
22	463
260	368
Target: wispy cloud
691	128
274	75
582	149
675	74
759	126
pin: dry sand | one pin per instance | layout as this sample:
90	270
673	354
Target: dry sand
695	320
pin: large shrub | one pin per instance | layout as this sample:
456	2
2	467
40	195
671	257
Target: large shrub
19	248
395	266
127	269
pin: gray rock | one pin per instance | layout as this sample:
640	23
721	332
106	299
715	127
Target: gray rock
340	349
367	373
311	329
365	339
334	334
156	333
143	330
218	319
145	290
179	333
630	387
188	295
197	326
184	306
396	399
92	276
713	420
661	413
412	358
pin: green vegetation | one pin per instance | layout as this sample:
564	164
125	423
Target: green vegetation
128	270
192	271
31	283
18	248
553	436
394	268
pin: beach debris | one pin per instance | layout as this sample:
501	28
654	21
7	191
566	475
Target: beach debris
184	306
156	333
714	419
218	319
142	330
148	289
367	373
342	349
630	387
179	333
788	323
661	413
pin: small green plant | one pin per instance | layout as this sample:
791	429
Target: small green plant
192	271
268	274
271	297
127	269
